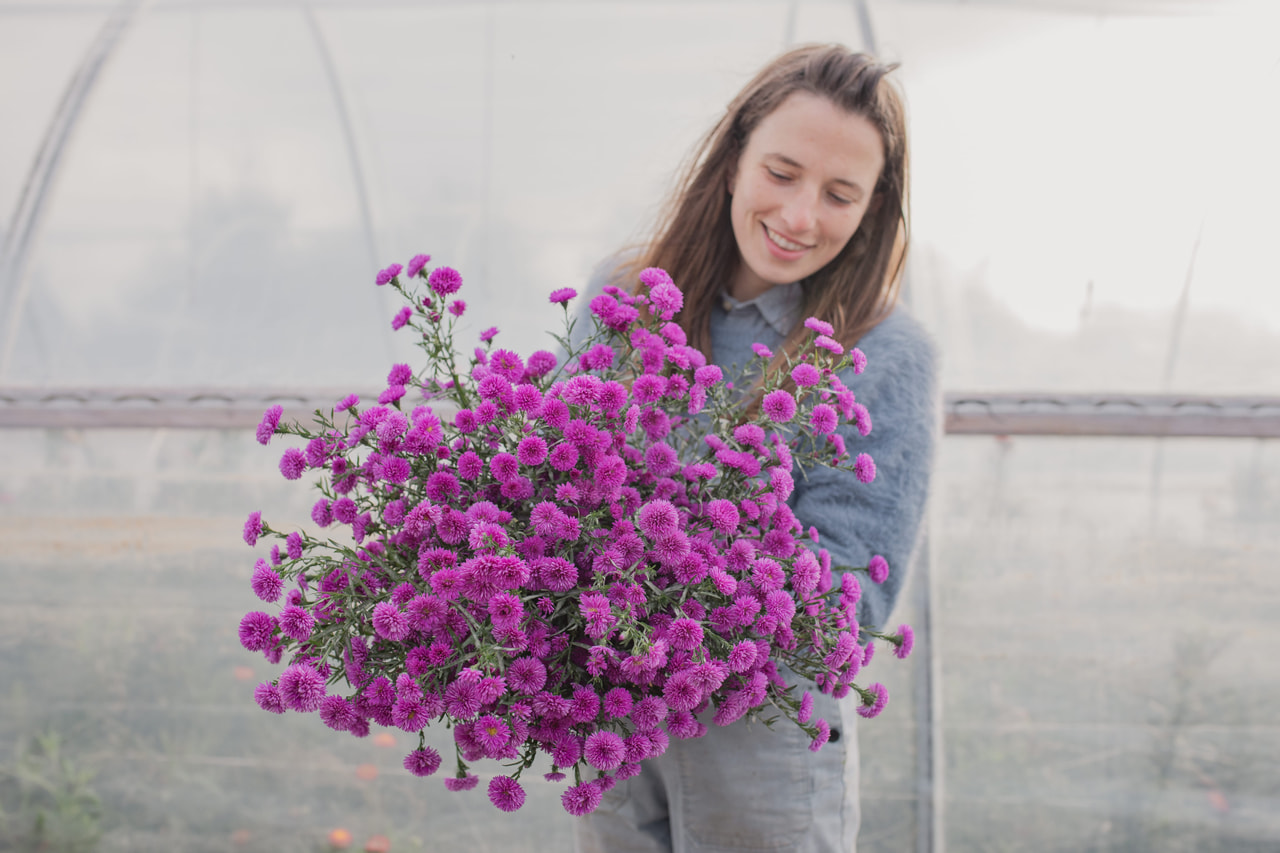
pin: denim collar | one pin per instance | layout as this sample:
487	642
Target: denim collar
779	305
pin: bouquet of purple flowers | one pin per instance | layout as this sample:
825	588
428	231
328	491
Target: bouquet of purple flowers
572	558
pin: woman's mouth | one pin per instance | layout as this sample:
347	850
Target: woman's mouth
782	246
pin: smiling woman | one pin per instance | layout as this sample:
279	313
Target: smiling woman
791	221
800	190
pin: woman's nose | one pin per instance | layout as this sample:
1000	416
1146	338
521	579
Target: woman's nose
798	215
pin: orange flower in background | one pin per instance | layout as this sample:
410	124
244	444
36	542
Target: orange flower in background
384	739
366	772
377	844
340	839
241	837
243	673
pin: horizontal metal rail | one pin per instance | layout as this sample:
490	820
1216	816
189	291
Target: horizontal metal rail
966	413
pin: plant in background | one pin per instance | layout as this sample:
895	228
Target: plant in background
46	802
576	559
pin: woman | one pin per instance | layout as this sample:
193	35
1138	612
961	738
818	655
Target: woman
794	206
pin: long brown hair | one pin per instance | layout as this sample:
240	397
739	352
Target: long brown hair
694	238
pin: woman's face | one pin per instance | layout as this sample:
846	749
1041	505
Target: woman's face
801	186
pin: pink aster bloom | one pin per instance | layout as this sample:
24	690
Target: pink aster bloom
302	688
878	569
859	360
823	419
618	702
444	280
761	350
658	518
253	528
422	762
387	275
829	344
908	642
805	713
489	334
824	734
416	263
562	295
270	420
267	584
806	375
779	406
874	708
604	750
297	623
268	697
581	800
865	468
389	622
822	327
457	307
462	783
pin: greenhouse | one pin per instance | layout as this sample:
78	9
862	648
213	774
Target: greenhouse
197	195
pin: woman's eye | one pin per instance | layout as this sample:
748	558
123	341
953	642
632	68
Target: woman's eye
778	176
839	199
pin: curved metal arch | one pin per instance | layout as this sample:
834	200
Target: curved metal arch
27	214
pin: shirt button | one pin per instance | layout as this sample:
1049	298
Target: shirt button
728	306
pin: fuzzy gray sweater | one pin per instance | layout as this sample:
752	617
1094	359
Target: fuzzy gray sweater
899	389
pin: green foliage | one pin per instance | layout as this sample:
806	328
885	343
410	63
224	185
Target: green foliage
46	801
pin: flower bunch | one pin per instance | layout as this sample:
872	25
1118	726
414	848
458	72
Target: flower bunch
574	558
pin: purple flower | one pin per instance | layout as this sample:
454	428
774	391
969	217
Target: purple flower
723	515
458	307
861	418
653	276
907	643
806	375
422	762
705	377
293	544
761	350
532	450
401	319
268	697
666	299
880	699
878	568
805	712
462	783
296	622
444	280
506	793
389	622
526	675
743	656
779	406
267	585
823	419
618	702
685	634
416	263
270	419
581	800
830	344
865	468
293	463
302	688
562	295
492	734
348	402
824	734
253	528
604	750
489	334
658	518
859	360
822	327
256	629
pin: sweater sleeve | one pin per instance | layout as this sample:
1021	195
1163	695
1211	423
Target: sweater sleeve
856	520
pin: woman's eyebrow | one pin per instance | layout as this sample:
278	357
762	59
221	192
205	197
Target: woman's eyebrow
853	185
